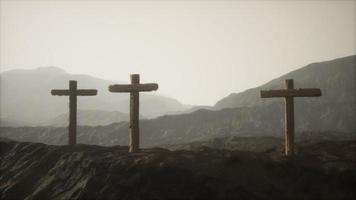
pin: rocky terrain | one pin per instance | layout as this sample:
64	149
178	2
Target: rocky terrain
232	152
37	171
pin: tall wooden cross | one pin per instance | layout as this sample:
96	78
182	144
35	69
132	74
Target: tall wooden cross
134	88
289	93
73	92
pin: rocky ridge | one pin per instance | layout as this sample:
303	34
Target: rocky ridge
37	171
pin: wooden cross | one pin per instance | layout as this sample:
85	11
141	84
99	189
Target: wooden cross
289	93
134	88
73	93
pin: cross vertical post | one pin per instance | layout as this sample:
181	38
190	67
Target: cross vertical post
289	124
72	112
134	115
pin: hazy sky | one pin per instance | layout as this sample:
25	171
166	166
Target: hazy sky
197	51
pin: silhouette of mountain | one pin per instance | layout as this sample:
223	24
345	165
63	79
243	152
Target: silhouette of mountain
25	96
336	78
332	114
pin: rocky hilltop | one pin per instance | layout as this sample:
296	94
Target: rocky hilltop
38	171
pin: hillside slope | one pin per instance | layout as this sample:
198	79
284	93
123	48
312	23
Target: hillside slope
336	78
89	118
38	171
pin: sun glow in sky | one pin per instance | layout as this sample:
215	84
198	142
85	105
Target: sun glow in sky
197	51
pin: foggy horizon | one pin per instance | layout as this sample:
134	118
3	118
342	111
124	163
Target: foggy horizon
127	81
198	52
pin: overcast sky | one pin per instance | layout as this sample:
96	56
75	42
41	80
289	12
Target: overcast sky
197	51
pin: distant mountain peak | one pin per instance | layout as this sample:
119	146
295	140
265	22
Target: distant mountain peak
44	69
52	69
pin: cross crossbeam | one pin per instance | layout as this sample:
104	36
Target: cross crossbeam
289	93
147	87
310	92
134	88
77	92
73	92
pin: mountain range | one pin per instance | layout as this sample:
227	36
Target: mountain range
241	114
26	99
90	118
336	79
